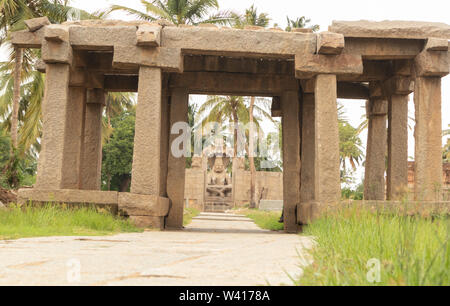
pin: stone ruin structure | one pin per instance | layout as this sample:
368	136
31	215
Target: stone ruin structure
381	62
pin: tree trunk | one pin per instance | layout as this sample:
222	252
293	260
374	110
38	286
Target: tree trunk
251	156
16	99
125	183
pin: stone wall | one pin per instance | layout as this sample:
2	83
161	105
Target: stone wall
270	184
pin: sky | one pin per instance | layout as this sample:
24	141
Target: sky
323	13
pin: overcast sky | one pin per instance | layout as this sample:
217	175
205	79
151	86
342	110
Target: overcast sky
323	13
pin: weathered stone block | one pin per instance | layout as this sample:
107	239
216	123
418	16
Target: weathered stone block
148	222
37	23
391	29
399	85
148	36
143	205
436	44
330	43
309	65
96	96
102	37
27	39
377	107
432	64
56	33
57	53
67	196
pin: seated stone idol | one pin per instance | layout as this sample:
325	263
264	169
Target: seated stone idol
219	182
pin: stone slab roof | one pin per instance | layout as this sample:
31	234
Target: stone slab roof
391	29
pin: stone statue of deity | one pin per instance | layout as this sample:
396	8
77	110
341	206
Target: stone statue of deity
218	181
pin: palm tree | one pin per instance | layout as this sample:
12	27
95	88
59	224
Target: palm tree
300	23
178	11
252	18
22	87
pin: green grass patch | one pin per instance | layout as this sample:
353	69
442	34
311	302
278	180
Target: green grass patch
189	213
264	219
51	220
410	250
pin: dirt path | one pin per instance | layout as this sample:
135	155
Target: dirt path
215	249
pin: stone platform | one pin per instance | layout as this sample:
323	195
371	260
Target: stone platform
144	210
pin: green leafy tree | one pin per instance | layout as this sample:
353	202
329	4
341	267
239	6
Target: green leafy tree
178	11
118	153
446	153
301	23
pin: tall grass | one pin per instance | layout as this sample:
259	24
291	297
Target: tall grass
50	220
268	220
410	250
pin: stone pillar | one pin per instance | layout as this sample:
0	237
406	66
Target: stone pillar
165	132
428	136
290	105
176	165
397	171
374	182
54	113
308	148
92	149
147	141
327	162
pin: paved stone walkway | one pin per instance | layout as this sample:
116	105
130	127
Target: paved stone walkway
215	249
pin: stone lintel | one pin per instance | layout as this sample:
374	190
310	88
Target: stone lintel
143	205
436	44
309	65
352	90
149	36
330	43
121	83
102	38
233	83
27	39
235	42
391	29
383	48
168	59
432	64
36	23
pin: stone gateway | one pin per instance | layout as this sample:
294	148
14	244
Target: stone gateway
381	62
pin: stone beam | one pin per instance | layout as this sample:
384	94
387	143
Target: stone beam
168	59
121	83
234	42
309	65
102	38
383	49
348	90
210	63
436	44
233	83
391	29
27	39
372	71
